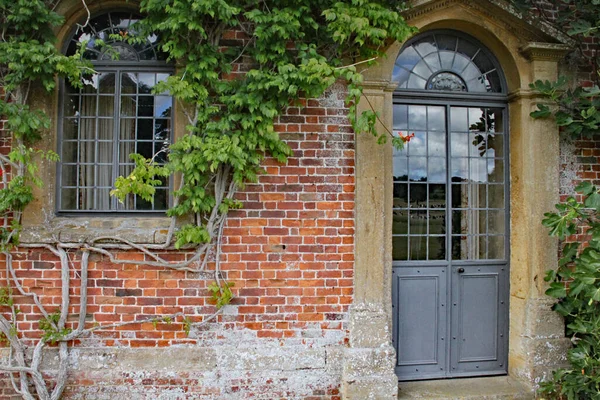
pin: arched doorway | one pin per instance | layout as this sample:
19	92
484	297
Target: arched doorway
450	273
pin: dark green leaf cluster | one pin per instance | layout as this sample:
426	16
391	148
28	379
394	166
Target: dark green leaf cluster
574	110
576	286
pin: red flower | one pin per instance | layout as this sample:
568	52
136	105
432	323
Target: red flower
407	138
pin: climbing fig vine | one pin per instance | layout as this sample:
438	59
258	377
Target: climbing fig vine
231	93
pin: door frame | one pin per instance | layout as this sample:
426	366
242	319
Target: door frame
449	100
527	53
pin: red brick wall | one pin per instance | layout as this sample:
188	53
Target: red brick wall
288	251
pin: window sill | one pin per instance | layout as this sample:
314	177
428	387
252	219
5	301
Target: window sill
137	229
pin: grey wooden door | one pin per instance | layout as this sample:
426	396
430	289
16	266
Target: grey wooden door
450	240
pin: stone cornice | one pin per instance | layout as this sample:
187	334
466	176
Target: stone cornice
522	26
537	51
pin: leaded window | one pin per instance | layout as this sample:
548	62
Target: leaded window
114	114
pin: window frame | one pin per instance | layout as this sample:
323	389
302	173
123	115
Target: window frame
117	67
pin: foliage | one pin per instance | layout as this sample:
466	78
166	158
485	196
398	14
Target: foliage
576	286
221	293
28	58
293	49
576	283
49	325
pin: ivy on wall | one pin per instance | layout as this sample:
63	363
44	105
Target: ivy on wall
293	50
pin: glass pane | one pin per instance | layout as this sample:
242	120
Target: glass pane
146	83
417	169
437	196
104	176
128	83
417	118
496	196
142	205
418	195
106	106
69	175
495	170
437	144
458	119
400	195
103	199
478	170
433	61
88	106
400	117
70	128
437	247
468	196
400	222
418	247
145	106
128	106
417	145
87	175
162	129
477	144
68	199
418	222
162	106
161	199
105	129
145	129
495	221
414	82
437	222
437	170
87	152
125	149
477	120
127	131
436	118
105	152
496	145
459	169
86	199
459	144
408	58
447	58
496	246
71	106
400	248
162	78
145	149
400	170
160	152
107	83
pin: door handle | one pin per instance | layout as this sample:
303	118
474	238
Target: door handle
460	270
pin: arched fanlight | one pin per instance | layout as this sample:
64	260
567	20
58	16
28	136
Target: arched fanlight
105	28
444	61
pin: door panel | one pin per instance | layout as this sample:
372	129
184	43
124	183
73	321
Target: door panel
479	319
421	325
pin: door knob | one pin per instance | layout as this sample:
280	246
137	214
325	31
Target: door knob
461	270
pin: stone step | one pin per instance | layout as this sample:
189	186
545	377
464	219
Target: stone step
489	388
